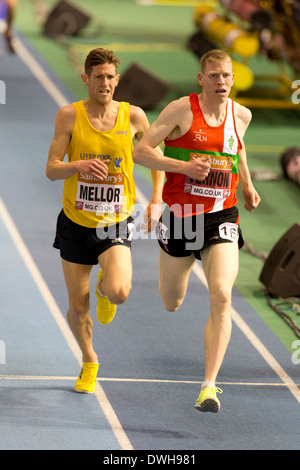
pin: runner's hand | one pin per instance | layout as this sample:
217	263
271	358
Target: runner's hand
197	168
94	167
251	197
151	217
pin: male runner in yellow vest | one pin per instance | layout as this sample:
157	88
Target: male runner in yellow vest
95	225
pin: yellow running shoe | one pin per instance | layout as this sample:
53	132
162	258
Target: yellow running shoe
208	401
87	378
105	309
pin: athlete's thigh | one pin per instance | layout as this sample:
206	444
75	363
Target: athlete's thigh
220	264
116	264
77	277
174	273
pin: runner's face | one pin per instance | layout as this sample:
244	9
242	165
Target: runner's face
217	80
293	169
102	82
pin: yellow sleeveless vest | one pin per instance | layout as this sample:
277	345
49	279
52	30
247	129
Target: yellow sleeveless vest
90	202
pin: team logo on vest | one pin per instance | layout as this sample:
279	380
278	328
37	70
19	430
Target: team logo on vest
117	162
200	135
122	133
91	156
231	142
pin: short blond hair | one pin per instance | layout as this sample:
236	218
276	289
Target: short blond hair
214	55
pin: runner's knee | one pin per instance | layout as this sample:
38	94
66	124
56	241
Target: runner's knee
220	299
171	303
172	306
118	294
79	308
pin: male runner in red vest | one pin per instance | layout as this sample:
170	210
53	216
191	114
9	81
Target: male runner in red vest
203	159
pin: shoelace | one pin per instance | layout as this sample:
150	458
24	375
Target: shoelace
211	389
87	374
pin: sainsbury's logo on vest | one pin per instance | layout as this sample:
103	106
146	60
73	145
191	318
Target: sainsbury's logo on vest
216	161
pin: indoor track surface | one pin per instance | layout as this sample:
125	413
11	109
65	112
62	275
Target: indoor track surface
151	361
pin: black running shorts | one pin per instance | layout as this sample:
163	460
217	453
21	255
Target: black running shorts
189	235
83	245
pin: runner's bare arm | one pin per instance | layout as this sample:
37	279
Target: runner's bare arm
250	195
139	126
56	168
146	152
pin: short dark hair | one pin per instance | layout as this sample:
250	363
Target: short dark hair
287	156
100	56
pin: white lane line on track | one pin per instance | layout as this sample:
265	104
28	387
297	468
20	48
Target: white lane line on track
60	378
242	325
256	342
40	73
53	91
62	324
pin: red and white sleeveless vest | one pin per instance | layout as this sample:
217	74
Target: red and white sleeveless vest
186	196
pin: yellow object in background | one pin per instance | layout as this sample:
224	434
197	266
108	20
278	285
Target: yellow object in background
228	34
243	76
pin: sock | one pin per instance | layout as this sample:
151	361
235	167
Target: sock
206	384
98	290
